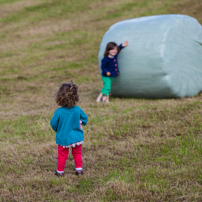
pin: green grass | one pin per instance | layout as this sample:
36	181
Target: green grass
135	149
8	1
47	10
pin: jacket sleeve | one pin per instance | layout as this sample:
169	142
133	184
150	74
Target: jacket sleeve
120	47
83	117
54	121
104	66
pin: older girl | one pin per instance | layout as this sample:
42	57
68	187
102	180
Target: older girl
110	69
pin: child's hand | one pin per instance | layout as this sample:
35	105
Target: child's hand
108	73
81	124
125	44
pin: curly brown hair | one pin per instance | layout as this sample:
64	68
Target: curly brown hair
67	95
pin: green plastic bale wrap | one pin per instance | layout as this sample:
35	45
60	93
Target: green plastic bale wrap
162	60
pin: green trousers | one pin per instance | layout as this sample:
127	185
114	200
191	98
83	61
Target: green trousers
107	82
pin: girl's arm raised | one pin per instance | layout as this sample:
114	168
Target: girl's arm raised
125	44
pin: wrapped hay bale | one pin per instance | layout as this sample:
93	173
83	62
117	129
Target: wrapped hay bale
163	58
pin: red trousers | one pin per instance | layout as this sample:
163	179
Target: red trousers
63	155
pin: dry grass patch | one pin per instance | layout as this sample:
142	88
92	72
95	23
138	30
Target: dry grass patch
191	8
134	150
16	6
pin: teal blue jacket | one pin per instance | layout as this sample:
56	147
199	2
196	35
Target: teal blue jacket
66	124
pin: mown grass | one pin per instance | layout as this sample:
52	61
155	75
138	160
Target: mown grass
135	149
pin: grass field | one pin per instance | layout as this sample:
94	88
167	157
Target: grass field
135	149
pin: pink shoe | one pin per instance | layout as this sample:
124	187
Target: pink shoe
59	174
105	99
79	172
99	98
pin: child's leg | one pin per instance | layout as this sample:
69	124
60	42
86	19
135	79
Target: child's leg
107	82
62	158
76	152
111	80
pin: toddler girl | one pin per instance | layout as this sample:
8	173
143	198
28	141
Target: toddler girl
109	68
66	123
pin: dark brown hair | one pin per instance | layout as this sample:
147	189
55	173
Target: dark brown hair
67	95
110	46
